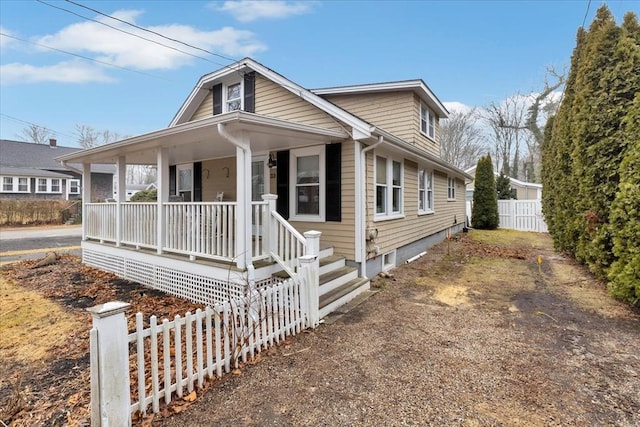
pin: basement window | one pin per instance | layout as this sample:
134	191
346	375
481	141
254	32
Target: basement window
388	260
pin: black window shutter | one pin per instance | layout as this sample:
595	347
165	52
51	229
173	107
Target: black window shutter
217	99
333	209
172	180
282	183
197	182
250	92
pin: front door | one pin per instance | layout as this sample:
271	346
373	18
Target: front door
259	186
185	181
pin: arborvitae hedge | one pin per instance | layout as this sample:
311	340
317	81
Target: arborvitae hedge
583	150
624	225
503	187
484	214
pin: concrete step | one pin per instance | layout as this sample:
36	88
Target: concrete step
342	295
325	252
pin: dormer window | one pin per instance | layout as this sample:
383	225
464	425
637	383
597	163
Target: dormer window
234	97
427	121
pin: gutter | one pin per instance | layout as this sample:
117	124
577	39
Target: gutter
363	203
71	168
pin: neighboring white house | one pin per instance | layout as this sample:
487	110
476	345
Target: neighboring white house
523	190
131	188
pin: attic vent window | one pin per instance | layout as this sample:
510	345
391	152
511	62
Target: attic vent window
234	97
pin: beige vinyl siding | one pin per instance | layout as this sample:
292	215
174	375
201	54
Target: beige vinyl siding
396	233
340	235
205	109
215	179
273	100
420	139
392	111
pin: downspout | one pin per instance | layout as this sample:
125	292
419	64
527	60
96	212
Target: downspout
66	165
246	209
363	201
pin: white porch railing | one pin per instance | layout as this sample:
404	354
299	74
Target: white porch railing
205	230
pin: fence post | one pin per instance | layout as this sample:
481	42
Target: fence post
110	393
269	234
310	272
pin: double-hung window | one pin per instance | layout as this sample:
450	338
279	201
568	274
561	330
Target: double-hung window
42	185
451	188
388	187
74	186
55	185
427	121
7	184
308	181
23	185
233	100
425	190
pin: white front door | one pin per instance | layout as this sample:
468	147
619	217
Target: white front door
259	186
184	176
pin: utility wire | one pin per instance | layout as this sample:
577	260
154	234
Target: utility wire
152	32
586	13
128	32
33	124
84	57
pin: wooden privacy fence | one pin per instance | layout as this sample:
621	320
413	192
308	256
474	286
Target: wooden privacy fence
523	215
134	372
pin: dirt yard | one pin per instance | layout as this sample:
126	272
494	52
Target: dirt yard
493	328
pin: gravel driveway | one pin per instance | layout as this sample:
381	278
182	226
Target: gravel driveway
519	349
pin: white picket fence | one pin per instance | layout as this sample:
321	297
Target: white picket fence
174	357
522	215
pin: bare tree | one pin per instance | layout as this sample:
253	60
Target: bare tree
37	134
462	142
88	137
507	121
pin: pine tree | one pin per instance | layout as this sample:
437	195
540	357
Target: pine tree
484	214
503	187
624	227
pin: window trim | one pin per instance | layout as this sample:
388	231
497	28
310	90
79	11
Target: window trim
318	150
451	189
429	120
15	184
389	213
225	94
69	181
422	174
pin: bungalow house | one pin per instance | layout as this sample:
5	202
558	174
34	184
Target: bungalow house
30	171
521	190
252	161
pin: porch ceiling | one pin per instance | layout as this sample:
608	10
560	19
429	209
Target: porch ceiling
200	140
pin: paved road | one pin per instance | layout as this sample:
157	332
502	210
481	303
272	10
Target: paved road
27	243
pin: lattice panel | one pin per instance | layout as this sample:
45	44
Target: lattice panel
112	263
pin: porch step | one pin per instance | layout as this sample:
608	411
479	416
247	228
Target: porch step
335	279
331	262
343	294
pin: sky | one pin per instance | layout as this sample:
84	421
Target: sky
59	70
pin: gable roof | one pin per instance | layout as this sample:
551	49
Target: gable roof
472	171
27	155
418	86
31	172
360	128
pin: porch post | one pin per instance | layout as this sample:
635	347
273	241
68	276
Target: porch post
241	247
163	197
269	236
86	197
122	196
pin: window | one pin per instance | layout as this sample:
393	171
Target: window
55	185
234	97
23	185
451	188
74	186
15	184
308	181
42	185
7	184
425	190
388	182
427	121
388	260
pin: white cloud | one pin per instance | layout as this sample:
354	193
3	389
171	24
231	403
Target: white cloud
457	107
124	50
5	41
250	10
63	72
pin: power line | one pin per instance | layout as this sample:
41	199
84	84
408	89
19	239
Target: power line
152	32
127	32
15	119
586	13
83	57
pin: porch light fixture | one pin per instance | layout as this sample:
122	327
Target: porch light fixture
272	163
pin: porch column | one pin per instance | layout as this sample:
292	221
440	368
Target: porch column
241	208
163	196
86	197
122	196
